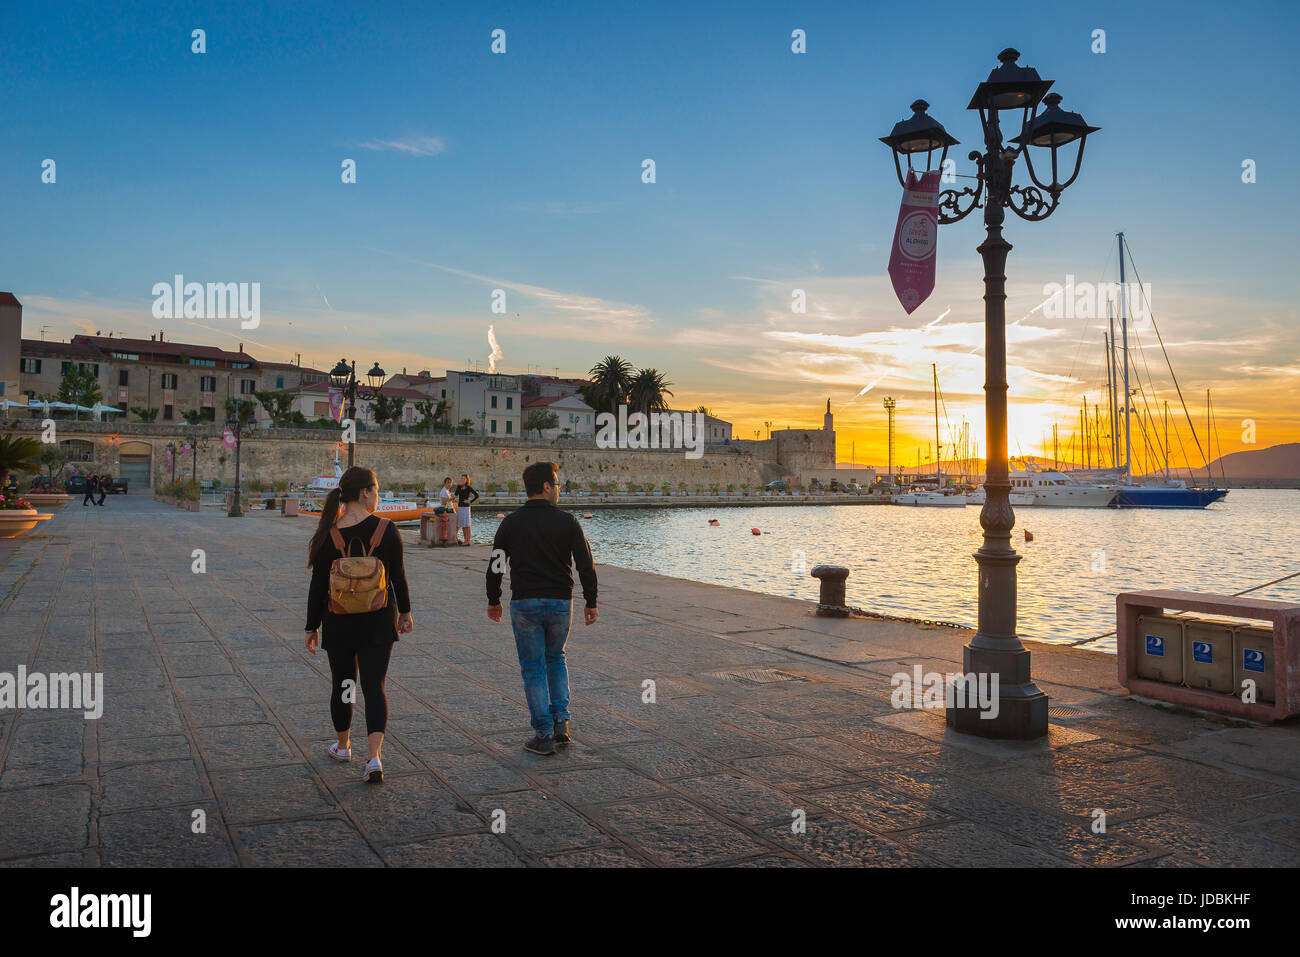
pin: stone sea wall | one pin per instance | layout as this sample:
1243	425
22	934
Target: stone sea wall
298	455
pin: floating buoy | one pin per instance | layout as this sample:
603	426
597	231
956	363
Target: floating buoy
586	515
1029	536
501	514
756	531
713	521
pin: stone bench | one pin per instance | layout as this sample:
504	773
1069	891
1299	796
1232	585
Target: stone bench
1138	613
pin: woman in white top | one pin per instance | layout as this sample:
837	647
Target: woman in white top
447	495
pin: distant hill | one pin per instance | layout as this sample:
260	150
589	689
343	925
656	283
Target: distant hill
1276	466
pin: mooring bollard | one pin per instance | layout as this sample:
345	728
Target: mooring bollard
831	602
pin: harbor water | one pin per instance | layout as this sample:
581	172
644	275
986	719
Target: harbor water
916	562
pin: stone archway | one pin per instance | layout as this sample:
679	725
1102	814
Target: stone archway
135	464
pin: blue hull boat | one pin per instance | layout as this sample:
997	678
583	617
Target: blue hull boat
1139	496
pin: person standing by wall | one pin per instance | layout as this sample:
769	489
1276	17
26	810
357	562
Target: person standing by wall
348	527
464	495
541	544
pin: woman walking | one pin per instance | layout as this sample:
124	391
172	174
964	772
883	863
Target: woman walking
464	495
347	528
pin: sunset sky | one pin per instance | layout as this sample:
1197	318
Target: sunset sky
522	172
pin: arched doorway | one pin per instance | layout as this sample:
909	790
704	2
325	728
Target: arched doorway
135	464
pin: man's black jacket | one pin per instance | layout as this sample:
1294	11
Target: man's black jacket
541	543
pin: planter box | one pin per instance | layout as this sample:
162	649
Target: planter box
13	522
47	499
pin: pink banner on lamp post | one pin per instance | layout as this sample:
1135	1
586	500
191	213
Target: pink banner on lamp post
916	239
336	404
228	440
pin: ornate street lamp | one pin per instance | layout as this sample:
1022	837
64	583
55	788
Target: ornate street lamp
344	376
238	424
995	649
198	443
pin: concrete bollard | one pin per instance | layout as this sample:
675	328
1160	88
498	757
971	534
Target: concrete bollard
831	602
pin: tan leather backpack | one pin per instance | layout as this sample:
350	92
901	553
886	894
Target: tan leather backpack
358	585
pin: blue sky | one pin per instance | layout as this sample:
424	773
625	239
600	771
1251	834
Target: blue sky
522	171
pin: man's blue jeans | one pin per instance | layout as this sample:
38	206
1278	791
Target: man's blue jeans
541	630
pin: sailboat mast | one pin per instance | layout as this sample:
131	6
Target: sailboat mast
1123	322
1166	441
938	449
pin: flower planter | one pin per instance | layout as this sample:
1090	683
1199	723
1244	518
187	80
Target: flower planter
47	499
190	506
13	522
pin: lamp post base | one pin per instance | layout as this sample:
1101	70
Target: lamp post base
1017	710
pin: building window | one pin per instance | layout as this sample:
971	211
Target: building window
510	402
239	365
510	427
246	386
167	413
122	376
207	363
126	355
64	367
169	380
444	394
32	366
494	402
207	383
78	450
279	382
494	426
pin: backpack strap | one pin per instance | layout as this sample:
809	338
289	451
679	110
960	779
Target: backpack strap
376	538
337	539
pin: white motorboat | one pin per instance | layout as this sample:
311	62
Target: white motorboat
1032	485
931	498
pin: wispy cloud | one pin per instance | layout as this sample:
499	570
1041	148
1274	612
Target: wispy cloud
614	316
413	145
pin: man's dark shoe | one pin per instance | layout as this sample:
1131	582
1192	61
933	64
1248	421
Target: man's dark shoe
540	744
561	733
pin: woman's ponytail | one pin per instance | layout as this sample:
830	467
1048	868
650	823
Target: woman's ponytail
329	514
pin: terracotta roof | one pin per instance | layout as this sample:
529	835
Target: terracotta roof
293	367
176	350
322	388
546	400
41	348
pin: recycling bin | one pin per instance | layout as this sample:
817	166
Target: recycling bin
1252	658
1160	648
1207	656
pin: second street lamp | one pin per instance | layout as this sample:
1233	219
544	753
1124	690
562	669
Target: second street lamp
344	377
995	650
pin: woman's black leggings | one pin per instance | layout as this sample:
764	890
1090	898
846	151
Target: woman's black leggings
374	669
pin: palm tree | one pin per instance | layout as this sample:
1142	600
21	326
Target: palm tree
648	390
17	452
611	379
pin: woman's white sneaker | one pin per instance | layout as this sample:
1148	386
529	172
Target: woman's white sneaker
374	772
340	754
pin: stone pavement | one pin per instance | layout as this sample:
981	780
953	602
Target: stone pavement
213	704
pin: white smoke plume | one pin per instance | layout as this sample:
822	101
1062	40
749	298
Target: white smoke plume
496	350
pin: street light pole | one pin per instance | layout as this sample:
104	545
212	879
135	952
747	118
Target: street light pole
995	652
344	377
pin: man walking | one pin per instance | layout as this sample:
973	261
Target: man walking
541	543
92	487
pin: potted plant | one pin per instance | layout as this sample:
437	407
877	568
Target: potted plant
17	516
513	487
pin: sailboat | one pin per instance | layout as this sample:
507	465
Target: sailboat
1173	493
937	496
393	509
